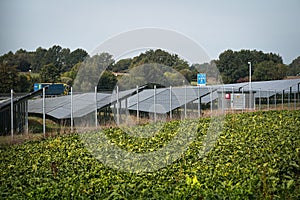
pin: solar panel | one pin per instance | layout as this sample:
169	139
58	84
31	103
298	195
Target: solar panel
165	100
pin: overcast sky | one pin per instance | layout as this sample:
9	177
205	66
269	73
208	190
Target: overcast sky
267	25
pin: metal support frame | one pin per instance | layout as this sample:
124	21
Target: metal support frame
171	102
71	110
26	117
154	106
118	107
268	99
185	99
137	104
282	99
96	108
275	99
243	107
44	114
259	98
232	99
223	98
12	113
211	101
289	98
199	103
298	92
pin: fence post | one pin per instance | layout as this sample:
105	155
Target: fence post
199	102
223	98
170	102
71	109
137	104
185	101
259	98
244	102
118	107
298	92
289	100
44	114
12	113
268	101
275	100
96	108
154	107
294	101
282	99
211	101
232	99
26	117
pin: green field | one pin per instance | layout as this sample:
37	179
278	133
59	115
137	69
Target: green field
257	156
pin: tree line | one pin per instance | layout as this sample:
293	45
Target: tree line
20	70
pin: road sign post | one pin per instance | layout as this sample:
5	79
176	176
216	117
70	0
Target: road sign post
201	79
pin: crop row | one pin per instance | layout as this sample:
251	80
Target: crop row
255	156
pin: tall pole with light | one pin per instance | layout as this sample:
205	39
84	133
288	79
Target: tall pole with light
250	87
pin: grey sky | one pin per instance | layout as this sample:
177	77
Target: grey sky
267	25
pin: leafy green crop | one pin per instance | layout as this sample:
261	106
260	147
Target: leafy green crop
257	156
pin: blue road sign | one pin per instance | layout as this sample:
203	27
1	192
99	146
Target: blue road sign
201	79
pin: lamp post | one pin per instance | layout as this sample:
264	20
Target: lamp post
250	87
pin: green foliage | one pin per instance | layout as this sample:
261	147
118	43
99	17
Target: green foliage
160	57
90	70
107	81
63	58
24	84
38	61
22	60
151	73
69	76
268	70
294	67
257	156
211	71
233	65
121	65
10	78
50	74
76	56
187	73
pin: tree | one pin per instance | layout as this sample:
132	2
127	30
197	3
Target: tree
24	84
90	71
233	65
55	56
268	70
107	81
63	58
8	77
121	65
22	60
39	59
69	76
211	71
160	57
77	56
50	73
153	74
163	58
188	74
294	67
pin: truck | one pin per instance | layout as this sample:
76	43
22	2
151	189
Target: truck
54	89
